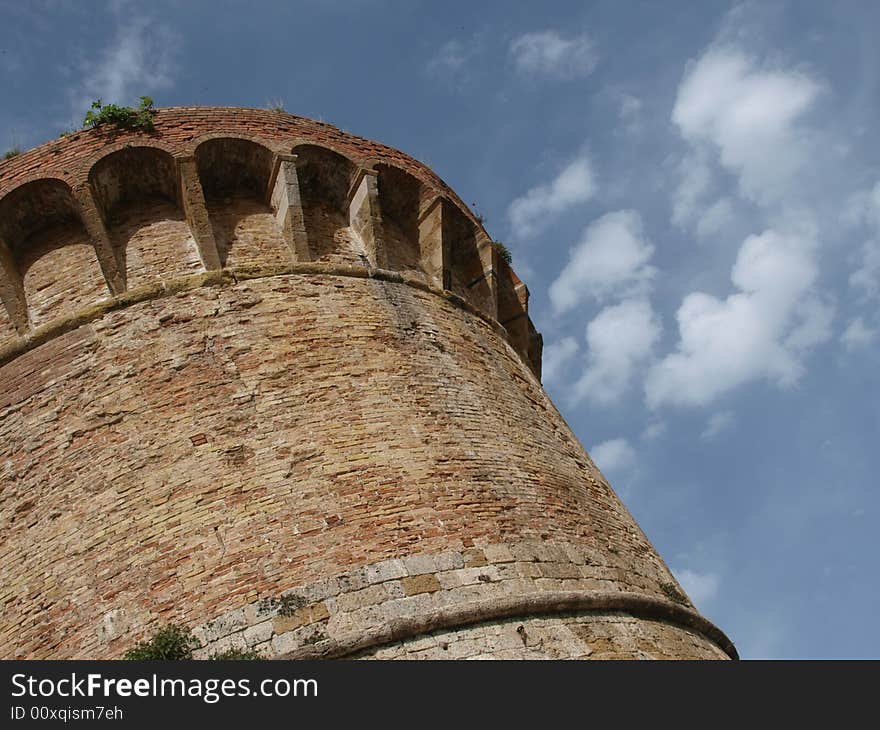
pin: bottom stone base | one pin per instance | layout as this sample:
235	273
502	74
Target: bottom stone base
610	635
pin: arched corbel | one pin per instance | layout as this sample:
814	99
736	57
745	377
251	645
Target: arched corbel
434	239
489	259
97	231
365	215
286	201
12	290
196	212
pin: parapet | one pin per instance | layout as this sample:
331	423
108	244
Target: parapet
103	217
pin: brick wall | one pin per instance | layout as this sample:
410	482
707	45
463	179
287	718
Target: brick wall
189	455
300	413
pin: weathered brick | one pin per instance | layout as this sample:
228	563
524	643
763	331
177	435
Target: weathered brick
424	583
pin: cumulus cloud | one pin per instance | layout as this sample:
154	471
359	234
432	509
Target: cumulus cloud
453	61
717	423
858	335
695	183
629	110
715	218
701	587
620	340
866	278
542	205
691	206
140	59
547	53
654	430
615	456
556	356
612	258
863	208
761	331
749	114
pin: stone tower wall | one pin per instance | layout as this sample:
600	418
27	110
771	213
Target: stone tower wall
274	382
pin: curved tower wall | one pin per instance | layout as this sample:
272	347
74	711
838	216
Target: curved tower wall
274	382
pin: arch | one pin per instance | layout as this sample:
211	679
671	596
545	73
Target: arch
467	277
513	314
325	180
138	194
401	196
235	174
234	167
193	145
133	174
54	257
37	204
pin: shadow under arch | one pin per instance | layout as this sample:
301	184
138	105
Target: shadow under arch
235	174
402	197
137	191
325	180
54	258
467	276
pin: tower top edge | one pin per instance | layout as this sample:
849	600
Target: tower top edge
180	129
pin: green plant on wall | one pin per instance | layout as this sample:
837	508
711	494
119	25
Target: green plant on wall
122	117
503	251
11	152
237	655
176	642
169	642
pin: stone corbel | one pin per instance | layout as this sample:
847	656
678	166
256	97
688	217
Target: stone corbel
365	216
12	290
286	200
111	264
196	212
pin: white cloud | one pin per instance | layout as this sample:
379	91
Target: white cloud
139	61
620	339
866	278
749	114
761	331
715	219
695	183
610	259
540	206
547	53
614	457
654	430
858	335
701	587
454	59
556	356
863	208
630	110
717	423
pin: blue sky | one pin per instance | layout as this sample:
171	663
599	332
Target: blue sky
691	192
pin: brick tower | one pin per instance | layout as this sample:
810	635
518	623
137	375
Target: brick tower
274	382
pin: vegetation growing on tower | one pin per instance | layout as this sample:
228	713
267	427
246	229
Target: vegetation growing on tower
175	642
122	117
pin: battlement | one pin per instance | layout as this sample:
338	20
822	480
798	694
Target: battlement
101	217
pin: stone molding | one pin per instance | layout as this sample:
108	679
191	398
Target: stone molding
405	598
229	277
